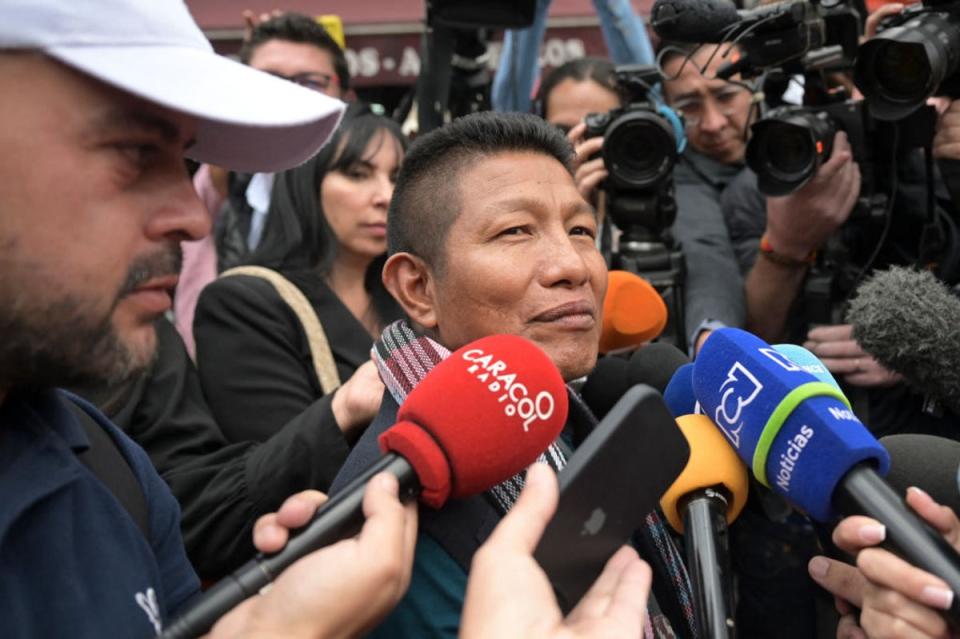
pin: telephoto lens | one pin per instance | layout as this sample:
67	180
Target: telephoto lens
639	149
901	67
787	147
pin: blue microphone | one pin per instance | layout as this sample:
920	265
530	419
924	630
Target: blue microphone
678	394
801	439
808	362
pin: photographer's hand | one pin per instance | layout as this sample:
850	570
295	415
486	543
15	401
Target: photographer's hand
798	224
802	221
589	173
946	142
842	355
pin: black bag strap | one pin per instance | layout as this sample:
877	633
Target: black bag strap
105	460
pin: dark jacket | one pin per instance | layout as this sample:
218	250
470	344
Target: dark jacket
222	488
713	284
255	363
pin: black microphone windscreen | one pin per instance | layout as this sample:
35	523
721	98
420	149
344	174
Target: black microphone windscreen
927	462
605	385
655	364
908	320
693	20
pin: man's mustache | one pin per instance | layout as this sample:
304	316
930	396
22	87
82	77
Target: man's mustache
145	268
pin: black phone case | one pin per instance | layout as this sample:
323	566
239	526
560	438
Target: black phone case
611	483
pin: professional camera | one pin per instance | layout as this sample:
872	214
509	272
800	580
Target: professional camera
914	58
641	142
640	148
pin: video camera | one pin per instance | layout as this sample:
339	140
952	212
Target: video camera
915	57
641	143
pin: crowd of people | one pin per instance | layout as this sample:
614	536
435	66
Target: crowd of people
192	361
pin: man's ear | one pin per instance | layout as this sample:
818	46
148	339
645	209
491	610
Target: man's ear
412	284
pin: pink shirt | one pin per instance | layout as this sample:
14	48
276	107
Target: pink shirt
199	262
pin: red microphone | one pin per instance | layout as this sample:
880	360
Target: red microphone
478	418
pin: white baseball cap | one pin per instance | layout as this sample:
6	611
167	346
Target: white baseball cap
246	120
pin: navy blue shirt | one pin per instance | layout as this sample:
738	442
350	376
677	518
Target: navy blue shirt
72	560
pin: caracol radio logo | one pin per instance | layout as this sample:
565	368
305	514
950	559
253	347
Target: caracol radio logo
516	398
738	390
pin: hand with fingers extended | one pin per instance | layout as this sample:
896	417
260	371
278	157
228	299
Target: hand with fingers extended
342	590
590	172
509	595
842	355
799	223
896	598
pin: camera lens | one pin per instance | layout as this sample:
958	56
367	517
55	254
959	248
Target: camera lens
901	67
786	149
639	149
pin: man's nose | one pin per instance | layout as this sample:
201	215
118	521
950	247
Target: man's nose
563	263
713	119
179	215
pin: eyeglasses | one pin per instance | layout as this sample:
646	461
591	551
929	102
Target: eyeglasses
727	101
313	81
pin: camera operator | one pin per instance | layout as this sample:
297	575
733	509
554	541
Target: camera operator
717	114
713	293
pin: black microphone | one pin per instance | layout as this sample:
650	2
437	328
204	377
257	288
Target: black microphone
655	364
908	320
927	462
693	20
605	385
719	20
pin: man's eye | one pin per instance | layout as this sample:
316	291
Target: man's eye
583	230
513	230
139	154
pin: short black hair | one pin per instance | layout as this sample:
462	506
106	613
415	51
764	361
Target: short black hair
297	27
426	198
599	70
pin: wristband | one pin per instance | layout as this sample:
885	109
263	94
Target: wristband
766	249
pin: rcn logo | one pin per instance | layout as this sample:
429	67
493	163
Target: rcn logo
738	390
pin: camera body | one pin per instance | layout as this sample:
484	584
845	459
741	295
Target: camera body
641	143
915	57
790	143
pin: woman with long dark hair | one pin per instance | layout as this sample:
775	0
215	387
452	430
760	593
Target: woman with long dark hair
325	234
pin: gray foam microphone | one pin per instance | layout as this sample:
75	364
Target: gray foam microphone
910	322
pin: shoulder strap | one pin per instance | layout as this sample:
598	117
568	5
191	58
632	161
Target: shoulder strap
323	362
105	460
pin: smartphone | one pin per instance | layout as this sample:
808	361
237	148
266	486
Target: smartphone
608	487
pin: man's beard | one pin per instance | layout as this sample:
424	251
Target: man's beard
63	342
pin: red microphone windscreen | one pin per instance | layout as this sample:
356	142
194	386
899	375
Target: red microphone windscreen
633	312
479	417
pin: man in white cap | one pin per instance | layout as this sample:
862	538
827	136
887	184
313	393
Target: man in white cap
99	102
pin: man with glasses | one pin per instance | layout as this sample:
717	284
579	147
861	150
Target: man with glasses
291	46
770	543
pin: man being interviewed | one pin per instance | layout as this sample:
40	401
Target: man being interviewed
487	233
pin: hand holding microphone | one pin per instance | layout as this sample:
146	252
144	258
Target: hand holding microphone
478	418
801	439
341	590
897	598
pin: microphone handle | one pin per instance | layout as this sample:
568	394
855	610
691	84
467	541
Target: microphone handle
863	492
708	560
339	517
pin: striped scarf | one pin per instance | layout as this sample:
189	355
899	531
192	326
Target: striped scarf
404	359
